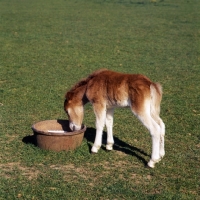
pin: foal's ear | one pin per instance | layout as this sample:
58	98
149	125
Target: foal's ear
67	101
68	96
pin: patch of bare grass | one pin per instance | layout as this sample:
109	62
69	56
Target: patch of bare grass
7	169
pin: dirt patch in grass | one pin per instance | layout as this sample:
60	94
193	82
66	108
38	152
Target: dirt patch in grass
97	172
8	169
71	172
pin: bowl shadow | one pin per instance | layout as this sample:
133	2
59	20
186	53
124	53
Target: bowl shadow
119	145
30	139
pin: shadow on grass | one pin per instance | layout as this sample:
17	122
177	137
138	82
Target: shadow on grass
30	139
118	146
90	134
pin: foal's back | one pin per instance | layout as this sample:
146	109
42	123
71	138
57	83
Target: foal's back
117	89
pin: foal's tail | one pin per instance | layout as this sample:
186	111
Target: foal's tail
156	97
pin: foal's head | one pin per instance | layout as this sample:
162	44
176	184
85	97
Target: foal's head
74	109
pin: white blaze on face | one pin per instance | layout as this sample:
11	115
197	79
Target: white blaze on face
75	118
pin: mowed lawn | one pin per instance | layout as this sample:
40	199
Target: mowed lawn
47	46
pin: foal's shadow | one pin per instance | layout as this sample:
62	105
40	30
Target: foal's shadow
119	145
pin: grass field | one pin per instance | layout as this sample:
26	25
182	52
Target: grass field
47	46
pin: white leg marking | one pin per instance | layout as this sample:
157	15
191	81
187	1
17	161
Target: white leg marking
155	135
109	126
155	131
162	139
100	122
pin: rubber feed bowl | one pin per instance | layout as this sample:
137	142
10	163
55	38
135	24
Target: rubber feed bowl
56	135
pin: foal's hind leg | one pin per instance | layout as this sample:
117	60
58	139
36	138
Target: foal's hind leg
159	121
162	138
109	125
154	129
100	112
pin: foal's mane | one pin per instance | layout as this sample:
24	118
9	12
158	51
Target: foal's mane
83	82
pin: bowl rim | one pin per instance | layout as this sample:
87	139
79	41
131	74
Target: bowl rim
65	133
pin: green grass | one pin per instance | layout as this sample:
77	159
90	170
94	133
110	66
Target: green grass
47	46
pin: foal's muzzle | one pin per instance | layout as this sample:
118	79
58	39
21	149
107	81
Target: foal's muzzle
74	127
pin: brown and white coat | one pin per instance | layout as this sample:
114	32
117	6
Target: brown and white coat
106	90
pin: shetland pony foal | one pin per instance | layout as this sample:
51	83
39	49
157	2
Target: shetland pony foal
106	90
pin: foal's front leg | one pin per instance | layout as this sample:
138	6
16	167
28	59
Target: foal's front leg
100	112
109	126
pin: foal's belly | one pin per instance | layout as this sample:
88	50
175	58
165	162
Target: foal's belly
118	103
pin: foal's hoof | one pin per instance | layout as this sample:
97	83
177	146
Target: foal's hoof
94	150
109	147
152	163
150	166
147	166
